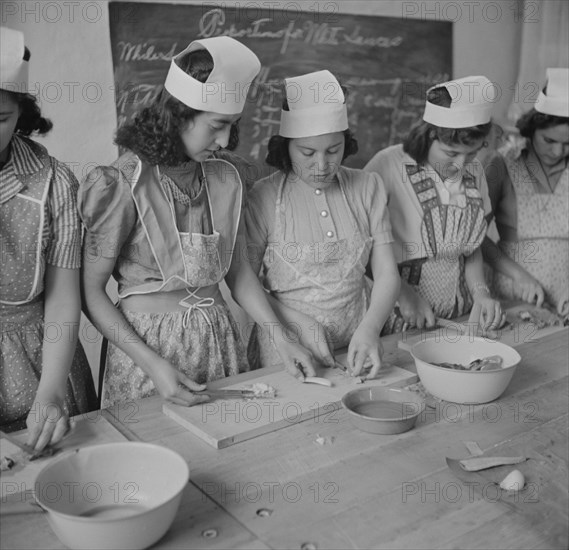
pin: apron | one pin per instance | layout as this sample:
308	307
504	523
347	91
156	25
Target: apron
542	248
25	237
203	341
449	232
324	280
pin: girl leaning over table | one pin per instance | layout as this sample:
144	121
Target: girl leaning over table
529	190
437	200
165	220
314	226
44	375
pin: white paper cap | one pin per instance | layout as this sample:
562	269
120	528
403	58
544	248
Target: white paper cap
234	68
555	100
316	106
13	68
472	100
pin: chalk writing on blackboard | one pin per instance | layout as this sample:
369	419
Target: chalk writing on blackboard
386	63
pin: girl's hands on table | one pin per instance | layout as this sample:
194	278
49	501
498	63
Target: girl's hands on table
415	310
365	350
47	421
487	314
175	386
528	288
298	361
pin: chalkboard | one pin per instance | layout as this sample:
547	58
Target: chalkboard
387	63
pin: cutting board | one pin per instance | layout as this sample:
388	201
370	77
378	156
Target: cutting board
90	429
516	332
225	422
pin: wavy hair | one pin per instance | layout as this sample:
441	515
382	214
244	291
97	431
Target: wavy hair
154	132
533	120
423	134
30	122
278	155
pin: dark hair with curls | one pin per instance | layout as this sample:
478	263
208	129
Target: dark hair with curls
30	120
278	155
534	120
423	134
154	133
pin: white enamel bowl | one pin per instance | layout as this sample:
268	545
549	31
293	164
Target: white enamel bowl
115	495
464	386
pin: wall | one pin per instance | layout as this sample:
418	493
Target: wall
71	66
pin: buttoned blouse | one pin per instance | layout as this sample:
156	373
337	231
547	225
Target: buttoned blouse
317	215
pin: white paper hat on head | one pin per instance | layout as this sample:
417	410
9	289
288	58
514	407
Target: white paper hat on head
13	67
555	100
234	68
316	106
472	100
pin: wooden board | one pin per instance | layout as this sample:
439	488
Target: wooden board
515	333
90	429
224	422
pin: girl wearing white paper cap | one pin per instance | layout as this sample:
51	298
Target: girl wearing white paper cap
316	224
438	200
529	190
165	221
44	374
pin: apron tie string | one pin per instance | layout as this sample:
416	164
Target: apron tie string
200	305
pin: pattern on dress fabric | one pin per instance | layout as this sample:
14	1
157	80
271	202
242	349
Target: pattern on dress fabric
449	232
542	248
39	226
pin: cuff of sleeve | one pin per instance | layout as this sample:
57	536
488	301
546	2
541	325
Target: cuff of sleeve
66	255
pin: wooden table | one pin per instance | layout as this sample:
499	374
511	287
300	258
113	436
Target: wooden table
285	490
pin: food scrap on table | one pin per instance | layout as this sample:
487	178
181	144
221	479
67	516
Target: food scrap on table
542	318
262	390
6	463
324	440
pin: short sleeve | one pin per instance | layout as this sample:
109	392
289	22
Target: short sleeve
259	220
107	210
380	225
64	248
501	191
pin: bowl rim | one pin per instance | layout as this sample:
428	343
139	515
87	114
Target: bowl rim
428	364
72	452
418	400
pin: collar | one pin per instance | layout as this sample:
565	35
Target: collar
26	158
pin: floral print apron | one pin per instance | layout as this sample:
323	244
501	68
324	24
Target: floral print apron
542	248
203	341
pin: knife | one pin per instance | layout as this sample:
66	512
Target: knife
228	393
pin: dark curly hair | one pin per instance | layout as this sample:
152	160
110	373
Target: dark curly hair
423	134
154	133
277	150
534	120
30	120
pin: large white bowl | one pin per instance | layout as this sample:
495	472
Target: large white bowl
116	495
464	386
